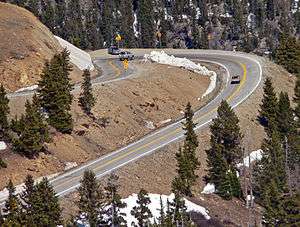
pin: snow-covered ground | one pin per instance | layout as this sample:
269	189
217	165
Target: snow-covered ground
163	58
30	88
2	146
209	189
254	156
155	206
78	57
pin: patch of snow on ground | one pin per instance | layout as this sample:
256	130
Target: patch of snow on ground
70	165
209	189
78	57
2	145
30	88
162	58
150	125
254	156
155	206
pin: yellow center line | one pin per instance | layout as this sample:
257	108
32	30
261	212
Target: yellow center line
172	132
118	71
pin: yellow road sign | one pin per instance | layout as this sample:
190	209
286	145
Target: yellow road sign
125	64
118	38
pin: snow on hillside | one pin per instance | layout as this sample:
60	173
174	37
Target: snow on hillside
78	57
209	189
254	156
2	146
163	58
155	206
30	88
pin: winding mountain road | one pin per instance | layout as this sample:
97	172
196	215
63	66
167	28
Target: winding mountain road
246	66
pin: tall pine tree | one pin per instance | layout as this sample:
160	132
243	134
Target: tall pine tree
86	99
91	200
4	111
142	212
54	92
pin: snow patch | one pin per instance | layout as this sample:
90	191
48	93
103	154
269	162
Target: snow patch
165	121
209	189
78	57
3	145
154	206
163	58
70	165
30	88
254	156
150	125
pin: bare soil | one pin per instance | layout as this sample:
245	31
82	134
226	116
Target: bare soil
155	172
25	46
158	93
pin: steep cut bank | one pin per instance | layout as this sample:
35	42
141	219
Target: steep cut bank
25	45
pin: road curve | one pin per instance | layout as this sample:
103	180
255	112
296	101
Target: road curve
245	65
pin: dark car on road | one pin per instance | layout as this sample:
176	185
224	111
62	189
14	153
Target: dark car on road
114	50
236	79
126	55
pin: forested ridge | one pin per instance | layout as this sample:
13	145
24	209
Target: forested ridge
246	25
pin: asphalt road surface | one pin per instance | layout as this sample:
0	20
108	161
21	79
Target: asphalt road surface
235	64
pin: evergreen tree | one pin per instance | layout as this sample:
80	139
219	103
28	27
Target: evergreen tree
141	212
225	152
187	161
35	132
285	118
109	28
114	203
126	23
288	54
47	15
4	111
269	107
55	92
86	99
291	206
178	210
27	198
162	215
297	100
91	201
146	22
12	207
271	167
45	205
225	132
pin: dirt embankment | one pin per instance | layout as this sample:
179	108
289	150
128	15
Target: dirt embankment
125	110
155	172
25	45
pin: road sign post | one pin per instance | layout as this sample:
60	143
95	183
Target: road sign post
125	64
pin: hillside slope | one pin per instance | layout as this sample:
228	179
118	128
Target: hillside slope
25	46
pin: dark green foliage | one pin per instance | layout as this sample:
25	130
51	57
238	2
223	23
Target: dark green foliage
225	152
47	16
4	111
44	206
55	92
146	20
291	206
86	99
141	212
126	23
288	54
269	107
271	168
273	205
18	125
91	199
177	212
187	162
285	118
297	100
225	131
115	216
3	164
12	208
34	131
